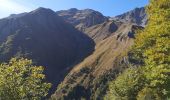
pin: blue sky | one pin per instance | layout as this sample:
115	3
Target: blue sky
107	7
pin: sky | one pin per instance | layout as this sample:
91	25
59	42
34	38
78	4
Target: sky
106	7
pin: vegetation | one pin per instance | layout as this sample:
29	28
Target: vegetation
152	53
20	80
126	85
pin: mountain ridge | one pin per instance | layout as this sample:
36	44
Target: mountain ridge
83	44
102	30
45	38
137	16
82	19
89	78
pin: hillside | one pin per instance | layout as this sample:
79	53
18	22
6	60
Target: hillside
83	54
102	31
89	78
45	38
87	47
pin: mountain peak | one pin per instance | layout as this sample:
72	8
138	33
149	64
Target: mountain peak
73	9
43	10
90	10
141	8
82	19
137	16
44	37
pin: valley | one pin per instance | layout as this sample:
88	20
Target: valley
85	50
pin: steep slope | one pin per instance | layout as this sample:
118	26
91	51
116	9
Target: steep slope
43	36
82	19
89	79
101	31
99	27
137	16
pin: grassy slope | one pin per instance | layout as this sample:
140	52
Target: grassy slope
89	78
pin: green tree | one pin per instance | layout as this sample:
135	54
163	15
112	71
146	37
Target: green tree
127	85
20	80
152	53
152	48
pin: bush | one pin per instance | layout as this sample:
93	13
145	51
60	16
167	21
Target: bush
127	85
20	80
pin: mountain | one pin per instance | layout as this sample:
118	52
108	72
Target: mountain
83	45
102	31
89	78
45	38
82	19
99	27
137	16
113	38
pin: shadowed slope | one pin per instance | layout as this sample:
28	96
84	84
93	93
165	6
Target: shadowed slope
43	36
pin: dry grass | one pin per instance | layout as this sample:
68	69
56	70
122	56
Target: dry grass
107	56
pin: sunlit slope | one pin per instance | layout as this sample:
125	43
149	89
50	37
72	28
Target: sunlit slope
86	79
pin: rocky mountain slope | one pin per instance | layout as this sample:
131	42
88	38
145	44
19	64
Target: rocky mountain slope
82	19
137	16
89	78
102	27
51	39
45	38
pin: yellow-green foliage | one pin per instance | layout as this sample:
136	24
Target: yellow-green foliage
148	94
20	80
152	52
126	86
154	46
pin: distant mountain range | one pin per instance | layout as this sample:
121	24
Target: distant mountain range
98	26
83	45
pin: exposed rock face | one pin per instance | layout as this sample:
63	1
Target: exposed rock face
137	16
43	36
82	19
